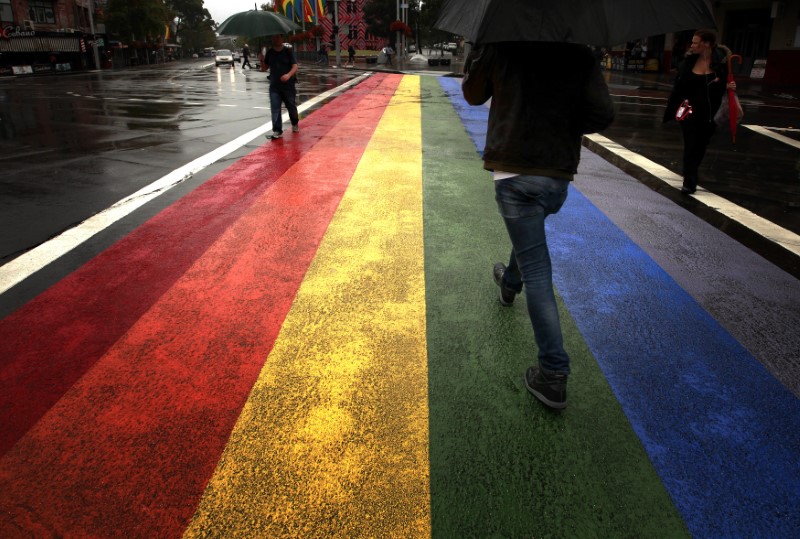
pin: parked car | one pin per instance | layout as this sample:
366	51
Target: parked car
224	56
237	57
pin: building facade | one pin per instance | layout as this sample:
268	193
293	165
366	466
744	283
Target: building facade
49	35
766	33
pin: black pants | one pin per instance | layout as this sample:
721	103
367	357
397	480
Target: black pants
246	62
696	136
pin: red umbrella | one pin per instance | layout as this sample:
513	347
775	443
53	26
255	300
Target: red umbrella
733	102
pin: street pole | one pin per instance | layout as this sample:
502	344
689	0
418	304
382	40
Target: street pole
402	45
94	36
397	34
336	31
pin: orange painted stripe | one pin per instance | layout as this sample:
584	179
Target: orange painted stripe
128	450
333	440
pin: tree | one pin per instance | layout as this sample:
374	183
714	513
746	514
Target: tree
137	19
379	14
194	23
427	18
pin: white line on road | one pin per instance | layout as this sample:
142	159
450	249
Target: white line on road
771	134
766	229
25	265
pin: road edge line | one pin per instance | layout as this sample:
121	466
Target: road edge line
781	240
37	258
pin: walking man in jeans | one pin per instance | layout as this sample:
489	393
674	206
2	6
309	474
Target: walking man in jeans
282	67
545	96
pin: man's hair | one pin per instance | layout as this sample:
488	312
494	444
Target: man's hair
707	35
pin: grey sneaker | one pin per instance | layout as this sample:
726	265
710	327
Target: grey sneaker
295	129
550	389
506	294
276	135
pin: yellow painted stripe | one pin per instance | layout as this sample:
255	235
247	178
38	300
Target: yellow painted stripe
333	440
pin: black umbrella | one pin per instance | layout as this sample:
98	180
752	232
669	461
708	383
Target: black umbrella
591	22
255	23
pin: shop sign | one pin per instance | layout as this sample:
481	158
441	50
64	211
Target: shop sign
759	68
22	70
15	31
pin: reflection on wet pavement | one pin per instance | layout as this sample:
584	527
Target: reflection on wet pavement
72	145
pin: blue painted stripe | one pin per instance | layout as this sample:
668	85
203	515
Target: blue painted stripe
473	118
722	433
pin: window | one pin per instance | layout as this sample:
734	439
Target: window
41	11
6	15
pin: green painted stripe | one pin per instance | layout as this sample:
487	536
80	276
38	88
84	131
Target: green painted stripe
502	465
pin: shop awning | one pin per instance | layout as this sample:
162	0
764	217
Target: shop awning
40	44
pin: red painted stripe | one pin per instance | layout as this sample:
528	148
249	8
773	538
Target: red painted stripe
128	450
53	340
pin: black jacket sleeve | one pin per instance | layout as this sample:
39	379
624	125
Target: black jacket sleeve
598	110
477	83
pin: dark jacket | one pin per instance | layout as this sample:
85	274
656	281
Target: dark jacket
280	63
714	91
545	96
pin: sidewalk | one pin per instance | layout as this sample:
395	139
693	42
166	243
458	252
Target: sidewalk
310	344
747	87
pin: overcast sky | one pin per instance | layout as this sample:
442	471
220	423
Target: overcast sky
222	9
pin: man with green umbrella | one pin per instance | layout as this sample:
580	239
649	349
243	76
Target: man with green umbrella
282	66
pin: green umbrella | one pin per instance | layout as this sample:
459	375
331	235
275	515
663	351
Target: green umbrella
255	23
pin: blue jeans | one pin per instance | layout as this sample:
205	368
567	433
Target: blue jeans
287	97
524	203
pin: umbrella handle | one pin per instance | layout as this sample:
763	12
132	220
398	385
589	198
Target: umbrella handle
730	70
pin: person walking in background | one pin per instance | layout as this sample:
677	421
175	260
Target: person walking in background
246	57
322	55
544	97
282	67
388	51
702	81
351	55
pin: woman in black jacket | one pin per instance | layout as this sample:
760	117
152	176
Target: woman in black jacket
701	80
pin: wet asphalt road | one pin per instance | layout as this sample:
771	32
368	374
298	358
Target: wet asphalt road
758	173
72	145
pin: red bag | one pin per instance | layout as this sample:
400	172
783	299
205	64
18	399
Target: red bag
683	111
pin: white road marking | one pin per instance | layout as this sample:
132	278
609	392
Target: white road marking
25	265
766	229
771	134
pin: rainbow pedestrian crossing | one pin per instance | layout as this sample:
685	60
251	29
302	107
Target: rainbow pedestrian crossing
327	358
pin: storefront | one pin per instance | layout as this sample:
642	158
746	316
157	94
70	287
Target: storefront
27	52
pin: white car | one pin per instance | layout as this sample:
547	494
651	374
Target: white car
223	56
237	57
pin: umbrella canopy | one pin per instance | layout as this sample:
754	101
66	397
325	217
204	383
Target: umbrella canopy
255	23
591	22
